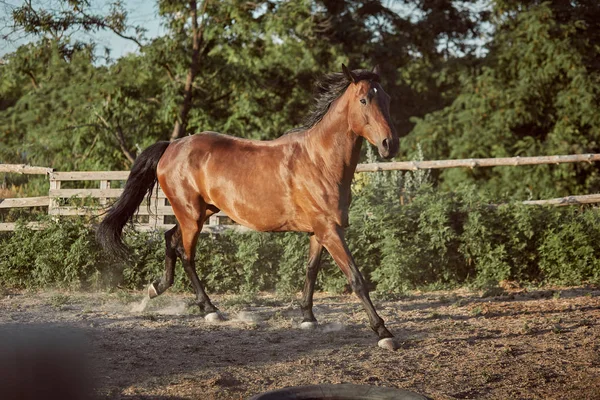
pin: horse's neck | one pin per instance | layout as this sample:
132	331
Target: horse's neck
334	146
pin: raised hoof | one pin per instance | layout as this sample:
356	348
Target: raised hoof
309	325
388	344
152	292
214	317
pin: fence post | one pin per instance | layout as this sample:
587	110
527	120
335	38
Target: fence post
53	203
104	185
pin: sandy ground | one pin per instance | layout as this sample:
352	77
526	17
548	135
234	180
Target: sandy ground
511	344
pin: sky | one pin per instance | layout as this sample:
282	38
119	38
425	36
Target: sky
145	14
140	12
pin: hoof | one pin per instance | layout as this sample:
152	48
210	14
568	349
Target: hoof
309	325
152	292
388	344
214	317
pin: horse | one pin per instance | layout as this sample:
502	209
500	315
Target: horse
299	182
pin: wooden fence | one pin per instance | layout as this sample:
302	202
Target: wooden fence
60	200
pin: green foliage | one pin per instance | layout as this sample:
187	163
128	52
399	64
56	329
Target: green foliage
570	254
535	93
433	240
501	253
294	252
62	108
216	262
534	90
62	255
258	257
146	261
448	239
416	243
79	116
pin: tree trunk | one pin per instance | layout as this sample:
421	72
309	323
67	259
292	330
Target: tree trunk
186	105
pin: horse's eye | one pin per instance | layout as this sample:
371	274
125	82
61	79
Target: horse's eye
363	101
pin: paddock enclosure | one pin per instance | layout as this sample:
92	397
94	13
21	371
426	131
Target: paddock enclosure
509	342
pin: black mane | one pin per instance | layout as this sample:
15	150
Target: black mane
327	90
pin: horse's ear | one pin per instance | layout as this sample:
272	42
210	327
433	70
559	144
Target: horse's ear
349	74
376	69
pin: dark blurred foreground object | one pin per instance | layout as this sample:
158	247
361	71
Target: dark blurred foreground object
43	362
339	392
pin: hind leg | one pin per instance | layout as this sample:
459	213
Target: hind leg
190	230
306	304
172	245
172	238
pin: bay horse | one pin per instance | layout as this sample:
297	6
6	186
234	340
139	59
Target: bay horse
297	182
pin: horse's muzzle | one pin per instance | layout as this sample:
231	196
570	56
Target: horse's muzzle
388	148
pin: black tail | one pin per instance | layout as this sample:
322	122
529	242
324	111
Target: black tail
141	181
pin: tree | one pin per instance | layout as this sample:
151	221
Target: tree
198	47
536	93
257	63
61	20
421	47
79	115
59	49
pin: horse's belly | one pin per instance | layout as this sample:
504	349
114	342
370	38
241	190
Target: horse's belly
269	220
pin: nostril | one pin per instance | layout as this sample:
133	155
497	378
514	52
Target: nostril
386	144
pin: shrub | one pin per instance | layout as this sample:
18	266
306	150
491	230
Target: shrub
570	248
403	235
63	255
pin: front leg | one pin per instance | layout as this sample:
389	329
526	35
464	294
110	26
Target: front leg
306	304
332	237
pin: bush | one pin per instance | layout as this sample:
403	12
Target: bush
62	255
570	249
403	235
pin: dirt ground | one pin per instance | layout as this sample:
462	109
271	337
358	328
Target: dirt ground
508	344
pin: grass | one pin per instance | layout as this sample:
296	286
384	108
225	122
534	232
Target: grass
476	311
59	300
556	295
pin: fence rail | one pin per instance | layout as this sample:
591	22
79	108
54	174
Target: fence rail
58	198
24	169
476	162
19	202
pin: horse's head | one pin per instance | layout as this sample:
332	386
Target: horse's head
369	113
